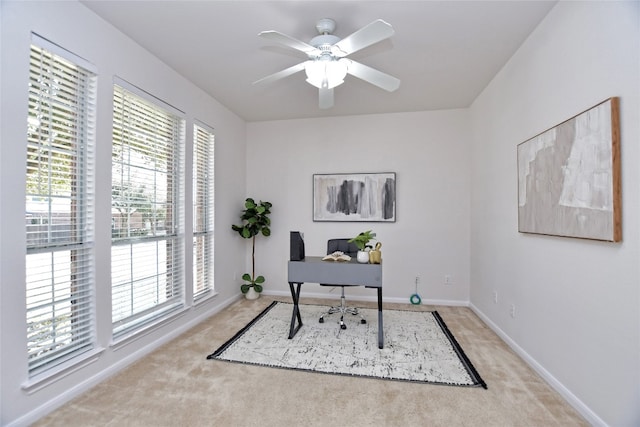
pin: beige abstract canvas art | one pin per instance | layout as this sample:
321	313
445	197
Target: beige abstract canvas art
569	177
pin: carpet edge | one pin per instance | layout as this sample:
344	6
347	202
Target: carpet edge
238	334
458	349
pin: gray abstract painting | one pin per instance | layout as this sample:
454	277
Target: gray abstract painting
568	177
354	197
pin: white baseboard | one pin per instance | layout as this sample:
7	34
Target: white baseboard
69	394
576	403
373	298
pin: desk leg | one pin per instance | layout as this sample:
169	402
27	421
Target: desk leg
380	326
295	295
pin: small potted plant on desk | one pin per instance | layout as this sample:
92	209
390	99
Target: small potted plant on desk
362	242
255	220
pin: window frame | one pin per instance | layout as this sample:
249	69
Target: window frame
173	278
66	136
203	274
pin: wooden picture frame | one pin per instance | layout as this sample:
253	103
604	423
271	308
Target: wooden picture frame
360	197
569	177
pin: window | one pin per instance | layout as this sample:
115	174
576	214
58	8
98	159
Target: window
203	144
147	262
59	208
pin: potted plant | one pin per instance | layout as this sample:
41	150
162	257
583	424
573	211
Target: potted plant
362	242
255	220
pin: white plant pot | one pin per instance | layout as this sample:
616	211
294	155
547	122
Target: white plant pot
362	257
252	294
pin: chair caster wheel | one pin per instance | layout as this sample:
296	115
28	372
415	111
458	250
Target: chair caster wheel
321	320
363	321
343	326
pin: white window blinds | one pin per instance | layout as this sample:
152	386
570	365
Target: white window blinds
59	209
147	262
203	188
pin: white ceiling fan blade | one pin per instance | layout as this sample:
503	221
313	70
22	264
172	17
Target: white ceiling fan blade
289	41
366	36
326	98
282	74
371	75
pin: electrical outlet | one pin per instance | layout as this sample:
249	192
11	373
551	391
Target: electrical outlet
447	279
495	297
512	310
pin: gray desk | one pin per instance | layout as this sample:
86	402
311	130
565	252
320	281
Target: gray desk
314	270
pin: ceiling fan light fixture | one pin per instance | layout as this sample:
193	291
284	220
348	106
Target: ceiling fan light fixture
327	64
325	73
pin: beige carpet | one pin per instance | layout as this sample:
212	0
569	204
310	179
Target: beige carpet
178	386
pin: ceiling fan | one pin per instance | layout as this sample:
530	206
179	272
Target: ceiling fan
327	64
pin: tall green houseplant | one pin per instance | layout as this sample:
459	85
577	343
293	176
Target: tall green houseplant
255	220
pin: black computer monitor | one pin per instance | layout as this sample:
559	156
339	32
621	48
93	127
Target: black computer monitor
296	246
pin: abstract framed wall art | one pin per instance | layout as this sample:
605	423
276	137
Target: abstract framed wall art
354	197
569	177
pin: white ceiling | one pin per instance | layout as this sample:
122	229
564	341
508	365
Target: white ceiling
444	52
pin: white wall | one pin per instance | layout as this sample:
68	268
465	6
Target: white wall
428	151
577	301
74	27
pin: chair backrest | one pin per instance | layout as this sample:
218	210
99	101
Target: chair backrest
342	245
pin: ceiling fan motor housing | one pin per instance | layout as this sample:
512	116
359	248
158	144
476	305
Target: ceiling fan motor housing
324	41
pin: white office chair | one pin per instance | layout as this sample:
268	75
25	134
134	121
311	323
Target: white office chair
350	249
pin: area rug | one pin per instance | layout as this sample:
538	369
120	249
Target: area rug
418	346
